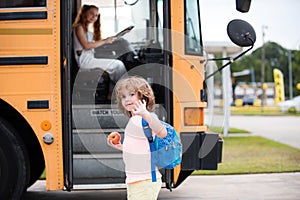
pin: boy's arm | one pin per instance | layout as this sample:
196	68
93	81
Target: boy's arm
156	126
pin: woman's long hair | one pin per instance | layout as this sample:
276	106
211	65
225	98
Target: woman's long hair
81	19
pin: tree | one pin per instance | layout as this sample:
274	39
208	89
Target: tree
296	71
275	57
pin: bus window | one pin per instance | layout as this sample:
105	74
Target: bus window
160	22
22	3
192	28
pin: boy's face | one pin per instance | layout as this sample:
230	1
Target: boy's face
128	98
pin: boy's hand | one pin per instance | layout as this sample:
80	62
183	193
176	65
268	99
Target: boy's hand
140	108
117	146
156	126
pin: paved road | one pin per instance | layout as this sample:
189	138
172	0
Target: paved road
285	186
256	186
284	129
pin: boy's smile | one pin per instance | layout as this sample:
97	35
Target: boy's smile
128	99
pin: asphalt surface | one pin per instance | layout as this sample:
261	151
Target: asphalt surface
228	187
284	129
255	186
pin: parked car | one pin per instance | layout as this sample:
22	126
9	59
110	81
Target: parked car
290	105
248	100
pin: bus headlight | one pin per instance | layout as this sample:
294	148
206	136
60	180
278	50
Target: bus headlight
48	138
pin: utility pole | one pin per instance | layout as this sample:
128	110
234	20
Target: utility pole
116	17
290	74
262	78
226	79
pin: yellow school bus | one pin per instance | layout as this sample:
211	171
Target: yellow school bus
55	117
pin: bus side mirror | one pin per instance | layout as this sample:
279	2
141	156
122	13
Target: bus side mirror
243	5
241	33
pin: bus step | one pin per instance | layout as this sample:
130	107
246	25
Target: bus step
98	168
93	140
98	116
114	186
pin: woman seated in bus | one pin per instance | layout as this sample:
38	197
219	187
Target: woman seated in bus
85	42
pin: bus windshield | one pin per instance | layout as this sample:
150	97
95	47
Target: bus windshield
192	28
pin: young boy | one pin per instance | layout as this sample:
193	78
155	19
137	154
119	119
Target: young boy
136	99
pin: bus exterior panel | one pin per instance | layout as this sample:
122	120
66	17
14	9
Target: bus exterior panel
30	79
36	85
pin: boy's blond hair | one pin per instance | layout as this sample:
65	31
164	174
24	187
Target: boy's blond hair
138	85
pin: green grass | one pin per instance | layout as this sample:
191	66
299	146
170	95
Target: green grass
231	130
255	154
237	130
43	176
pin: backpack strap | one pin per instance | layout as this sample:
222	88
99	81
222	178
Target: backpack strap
148	134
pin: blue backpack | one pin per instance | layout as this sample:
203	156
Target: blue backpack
165	152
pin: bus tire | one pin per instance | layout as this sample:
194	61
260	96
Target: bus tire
37	166
14	164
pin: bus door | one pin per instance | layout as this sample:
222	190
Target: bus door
89	161
66	13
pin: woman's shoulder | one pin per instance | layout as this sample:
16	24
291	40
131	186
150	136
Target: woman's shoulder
78	27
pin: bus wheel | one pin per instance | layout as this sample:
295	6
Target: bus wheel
37	165
14	167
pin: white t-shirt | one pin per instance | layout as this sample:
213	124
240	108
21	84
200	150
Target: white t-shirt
136	152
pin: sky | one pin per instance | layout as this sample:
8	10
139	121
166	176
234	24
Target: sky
281	17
